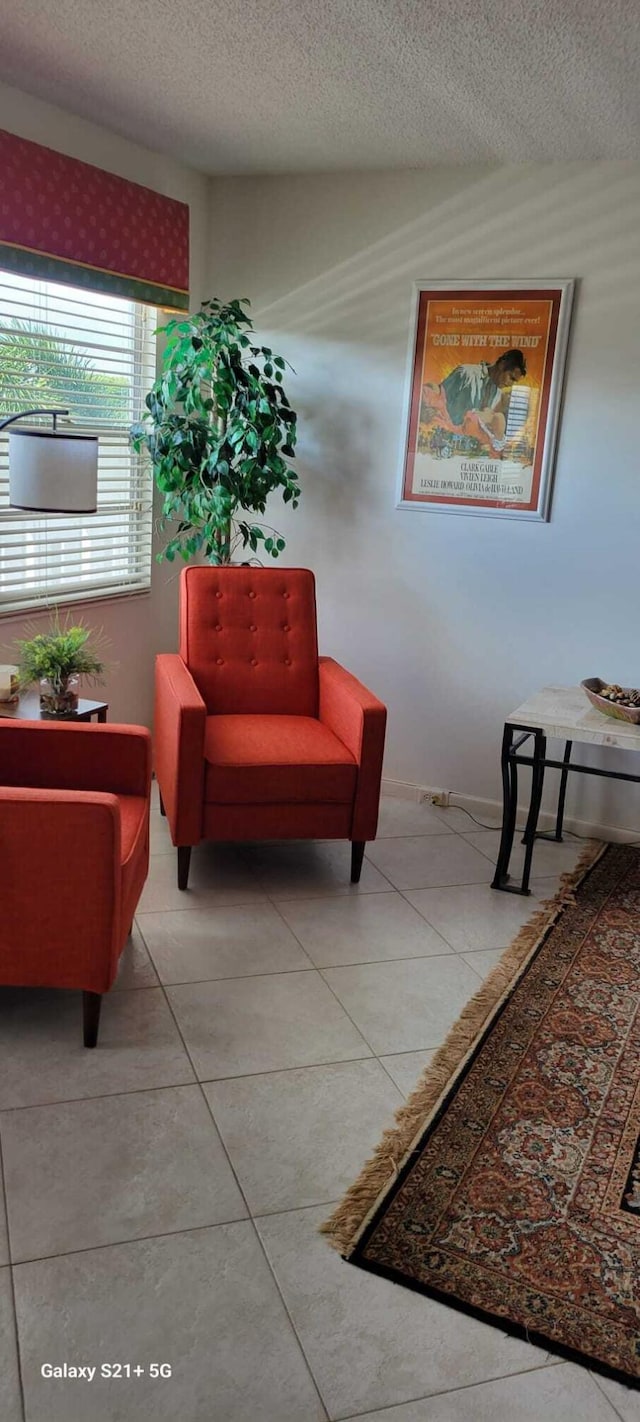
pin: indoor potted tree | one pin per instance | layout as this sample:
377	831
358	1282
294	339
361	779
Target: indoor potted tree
57	659
220	431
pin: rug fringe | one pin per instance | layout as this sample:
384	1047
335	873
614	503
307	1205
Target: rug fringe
379	1173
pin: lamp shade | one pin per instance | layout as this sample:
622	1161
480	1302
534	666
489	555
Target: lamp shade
51	472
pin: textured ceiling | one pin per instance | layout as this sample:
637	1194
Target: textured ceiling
264	86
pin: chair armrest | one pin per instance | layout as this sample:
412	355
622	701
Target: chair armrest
61	888
359	720
179	727
63	756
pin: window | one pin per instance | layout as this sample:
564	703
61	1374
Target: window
95	356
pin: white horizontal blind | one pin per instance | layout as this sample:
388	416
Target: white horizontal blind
95	356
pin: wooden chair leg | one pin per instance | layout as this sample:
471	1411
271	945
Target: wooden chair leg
184	860
162	809
358	847
91	1004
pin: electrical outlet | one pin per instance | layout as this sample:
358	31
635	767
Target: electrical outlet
435	797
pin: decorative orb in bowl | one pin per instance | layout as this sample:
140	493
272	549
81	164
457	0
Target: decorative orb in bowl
621	710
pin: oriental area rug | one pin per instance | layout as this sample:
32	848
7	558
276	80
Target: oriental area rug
510	1185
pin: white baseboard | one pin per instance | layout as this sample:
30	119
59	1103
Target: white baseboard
492	809
402	789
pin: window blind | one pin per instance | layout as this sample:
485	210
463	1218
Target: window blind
94	355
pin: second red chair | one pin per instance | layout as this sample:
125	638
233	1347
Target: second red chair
256	736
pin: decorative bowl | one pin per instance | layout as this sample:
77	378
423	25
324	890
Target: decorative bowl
593	685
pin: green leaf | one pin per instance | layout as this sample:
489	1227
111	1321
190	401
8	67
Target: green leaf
217	428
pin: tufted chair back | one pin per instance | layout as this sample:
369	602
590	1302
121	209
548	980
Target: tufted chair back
249	639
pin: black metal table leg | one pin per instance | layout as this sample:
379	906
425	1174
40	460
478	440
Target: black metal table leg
556	834
564	776
537	782
509	808
537	834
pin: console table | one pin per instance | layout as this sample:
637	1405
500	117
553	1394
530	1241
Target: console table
562	713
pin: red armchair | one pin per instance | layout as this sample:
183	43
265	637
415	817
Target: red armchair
256	737
74	846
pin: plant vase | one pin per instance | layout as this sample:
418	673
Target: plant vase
59	697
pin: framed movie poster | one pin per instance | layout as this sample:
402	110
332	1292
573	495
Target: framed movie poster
486	365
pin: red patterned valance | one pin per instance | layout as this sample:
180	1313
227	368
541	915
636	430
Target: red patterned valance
71	222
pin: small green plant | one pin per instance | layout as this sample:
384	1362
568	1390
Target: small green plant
64	650
220	430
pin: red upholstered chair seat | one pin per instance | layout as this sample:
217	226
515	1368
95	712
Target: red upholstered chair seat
263	760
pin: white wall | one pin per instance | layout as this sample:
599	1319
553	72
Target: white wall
136	626
452	620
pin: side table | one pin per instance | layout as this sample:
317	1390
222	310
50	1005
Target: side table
28	709
560	712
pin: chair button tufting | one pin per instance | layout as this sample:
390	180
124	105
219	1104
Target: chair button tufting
285	594
286	627
254	662
287	661
251	594
218	627
219	662
252	627
218	594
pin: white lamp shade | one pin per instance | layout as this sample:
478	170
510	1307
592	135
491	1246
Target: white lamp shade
51	472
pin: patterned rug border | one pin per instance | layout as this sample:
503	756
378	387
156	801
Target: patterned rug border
379	1175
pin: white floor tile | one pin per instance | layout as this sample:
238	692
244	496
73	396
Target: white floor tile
42	1058
483	960
221	943
406	1068
10	1401
300	1137
311	869
463	821
88	1173
548	857
159	834
370	928
625	1400
204	1302
428	861
545	889
408	817
558	1393
407	1005
4	1243
135	969
246	1025
474	915
218	876
369	1343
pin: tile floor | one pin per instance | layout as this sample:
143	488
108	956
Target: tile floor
163	1193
